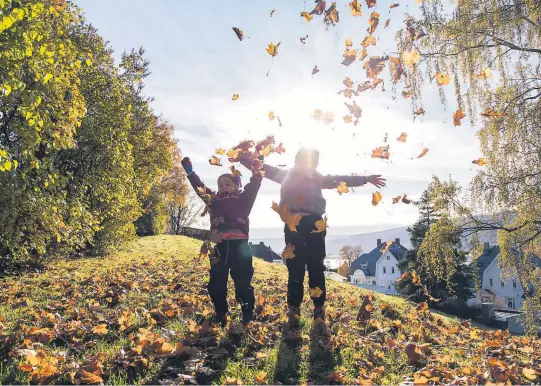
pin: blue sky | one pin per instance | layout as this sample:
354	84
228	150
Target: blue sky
197	64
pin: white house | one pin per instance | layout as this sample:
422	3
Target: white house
505	294
378	270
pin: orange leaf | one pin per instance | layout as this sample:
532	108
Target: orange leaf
272	12
273	49
342	188
348	82
421	111
376	198
397	199
348	119
530	374
442	79
402	137
321	225
388	243
423	153
288	252
260	377
234	171
490	113
100	329
215	161
355	8
381	152
368	41
422	307
348	42
373	22
89	378
280	149
457	116
480	162
328	117
307	17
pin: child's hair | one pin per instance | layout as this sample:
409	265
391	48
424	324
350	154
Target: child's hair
310	156
235	178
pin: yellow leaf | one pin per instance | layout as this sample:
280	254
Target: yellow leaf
273	49
288	252
411	57
220	151
315	292
531	374
474	334
47	78
100	329
355	6
235	97
234	171
7	165
348	42
307	16
271	115
376	198
321	225
485	74
342	188
260	377
388	243
402	137
233	153
442	79
7	89
215	161
348	118
480	162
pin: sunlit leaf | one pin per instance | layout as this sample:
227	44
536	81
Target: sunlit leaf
272	49
480	162
402	137
411	57
423	153
288	252
376	198
457	116
342	188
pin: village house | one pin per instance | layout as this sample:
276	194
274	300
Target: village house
378	270
266	253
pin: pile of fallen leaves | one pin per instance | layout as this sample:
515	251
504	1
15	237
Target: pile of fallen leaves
143	316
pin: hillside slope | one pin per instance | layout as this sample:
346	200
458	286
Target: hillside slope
141	316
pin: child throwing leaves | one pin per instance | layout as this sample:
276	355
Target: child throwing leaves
229	209
301	193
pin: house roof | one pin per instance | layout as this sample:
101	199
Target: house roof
266	253
372	257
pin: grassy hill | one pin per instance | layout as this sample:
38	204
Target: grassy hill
141	316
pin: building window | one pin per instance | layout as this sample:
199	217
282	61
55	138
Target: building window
491	283
373	282
510	303
503	283
388	257
392	269
384	270
363	266
514	284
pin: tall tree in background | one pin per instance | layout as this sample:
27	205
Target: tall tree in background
491	51
348	253
452	281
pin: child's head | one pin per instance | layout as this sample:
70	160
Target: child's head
307	158
228	183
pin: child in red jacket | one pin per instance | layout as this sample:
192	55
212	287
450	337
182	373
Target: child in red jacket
301	191
229	209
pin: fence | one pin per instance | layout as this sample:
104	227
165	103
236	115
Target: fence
199	234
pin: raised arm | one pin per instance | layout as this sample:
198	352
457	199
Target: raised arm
195	180
250	191
331	182
272	173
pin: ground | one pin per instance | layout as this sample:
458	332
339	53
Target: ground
142	316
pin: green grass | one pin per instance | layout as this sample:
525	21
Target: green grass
159	283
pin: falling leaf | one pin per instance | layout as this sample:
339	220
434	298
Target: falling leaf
328	118
442	79
272	12
490	113
363	54
321	225
235	97
423	153
381	152
354	110
288	252
348	118
355	8
348	60
348	42
303	39
220	151
402	137
405	276
318	114
348	82
271	115
291	220
368	41
457	116
348	93
376	198
373	22
386	247
407	93
320	7
480	162
342	188
421	111
279	149
411	57
260	377
233	153
307	16
375	65
215	161
234	171
100	329
394	5
331	15
315	70
405	199
350	53
387	23
485	74
273	49
239	33
371	3
397	199
315	292
396	68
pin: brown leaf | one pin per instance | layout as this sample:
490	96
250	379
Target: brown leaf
348	118
354	110
348	82
396	68
420	111
413	352
405	199
371	3
397	199
215	161
374	65
423	306
457	116
315	70
490	113
307	17
348	42
303	39
321	225
239	33
260	377
387	23
368	41
423	153
373	22
348	60
100	329
394	5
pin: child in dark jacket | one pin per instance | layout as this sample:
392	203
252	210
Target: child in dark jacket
229	209
301	191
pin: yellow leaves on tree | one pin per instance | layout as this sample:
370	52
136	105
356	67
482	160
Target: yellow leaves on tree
442	79
272	49
376	198
289	252
342	188
291	220
457	116
480	162
411	57
485	74
490	113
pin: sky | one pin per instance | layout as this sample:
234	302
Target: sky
198	63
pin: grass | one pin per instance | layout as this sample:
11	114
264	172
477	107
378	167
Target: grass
142	316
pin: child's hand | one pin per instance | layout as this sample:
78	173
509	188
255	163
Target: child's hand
376	180
187	165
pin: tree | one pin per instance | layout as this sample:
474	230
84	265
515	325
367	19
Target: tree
348	253
438	263
343	269
475	40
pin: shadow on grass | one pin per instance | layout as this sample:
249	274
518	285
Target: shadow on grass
322	360
288	362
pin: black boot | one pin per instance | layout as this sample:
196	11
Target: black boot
319	313
294	316
220	319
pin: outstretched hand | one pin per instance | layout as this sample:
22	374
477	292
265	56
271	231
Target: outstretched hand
187	165
376	180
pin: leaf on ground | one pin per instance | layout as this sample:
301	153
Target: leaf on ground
100	329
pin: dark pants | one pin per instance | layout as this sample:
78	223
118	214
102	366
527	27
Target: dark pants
309	252
233	256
